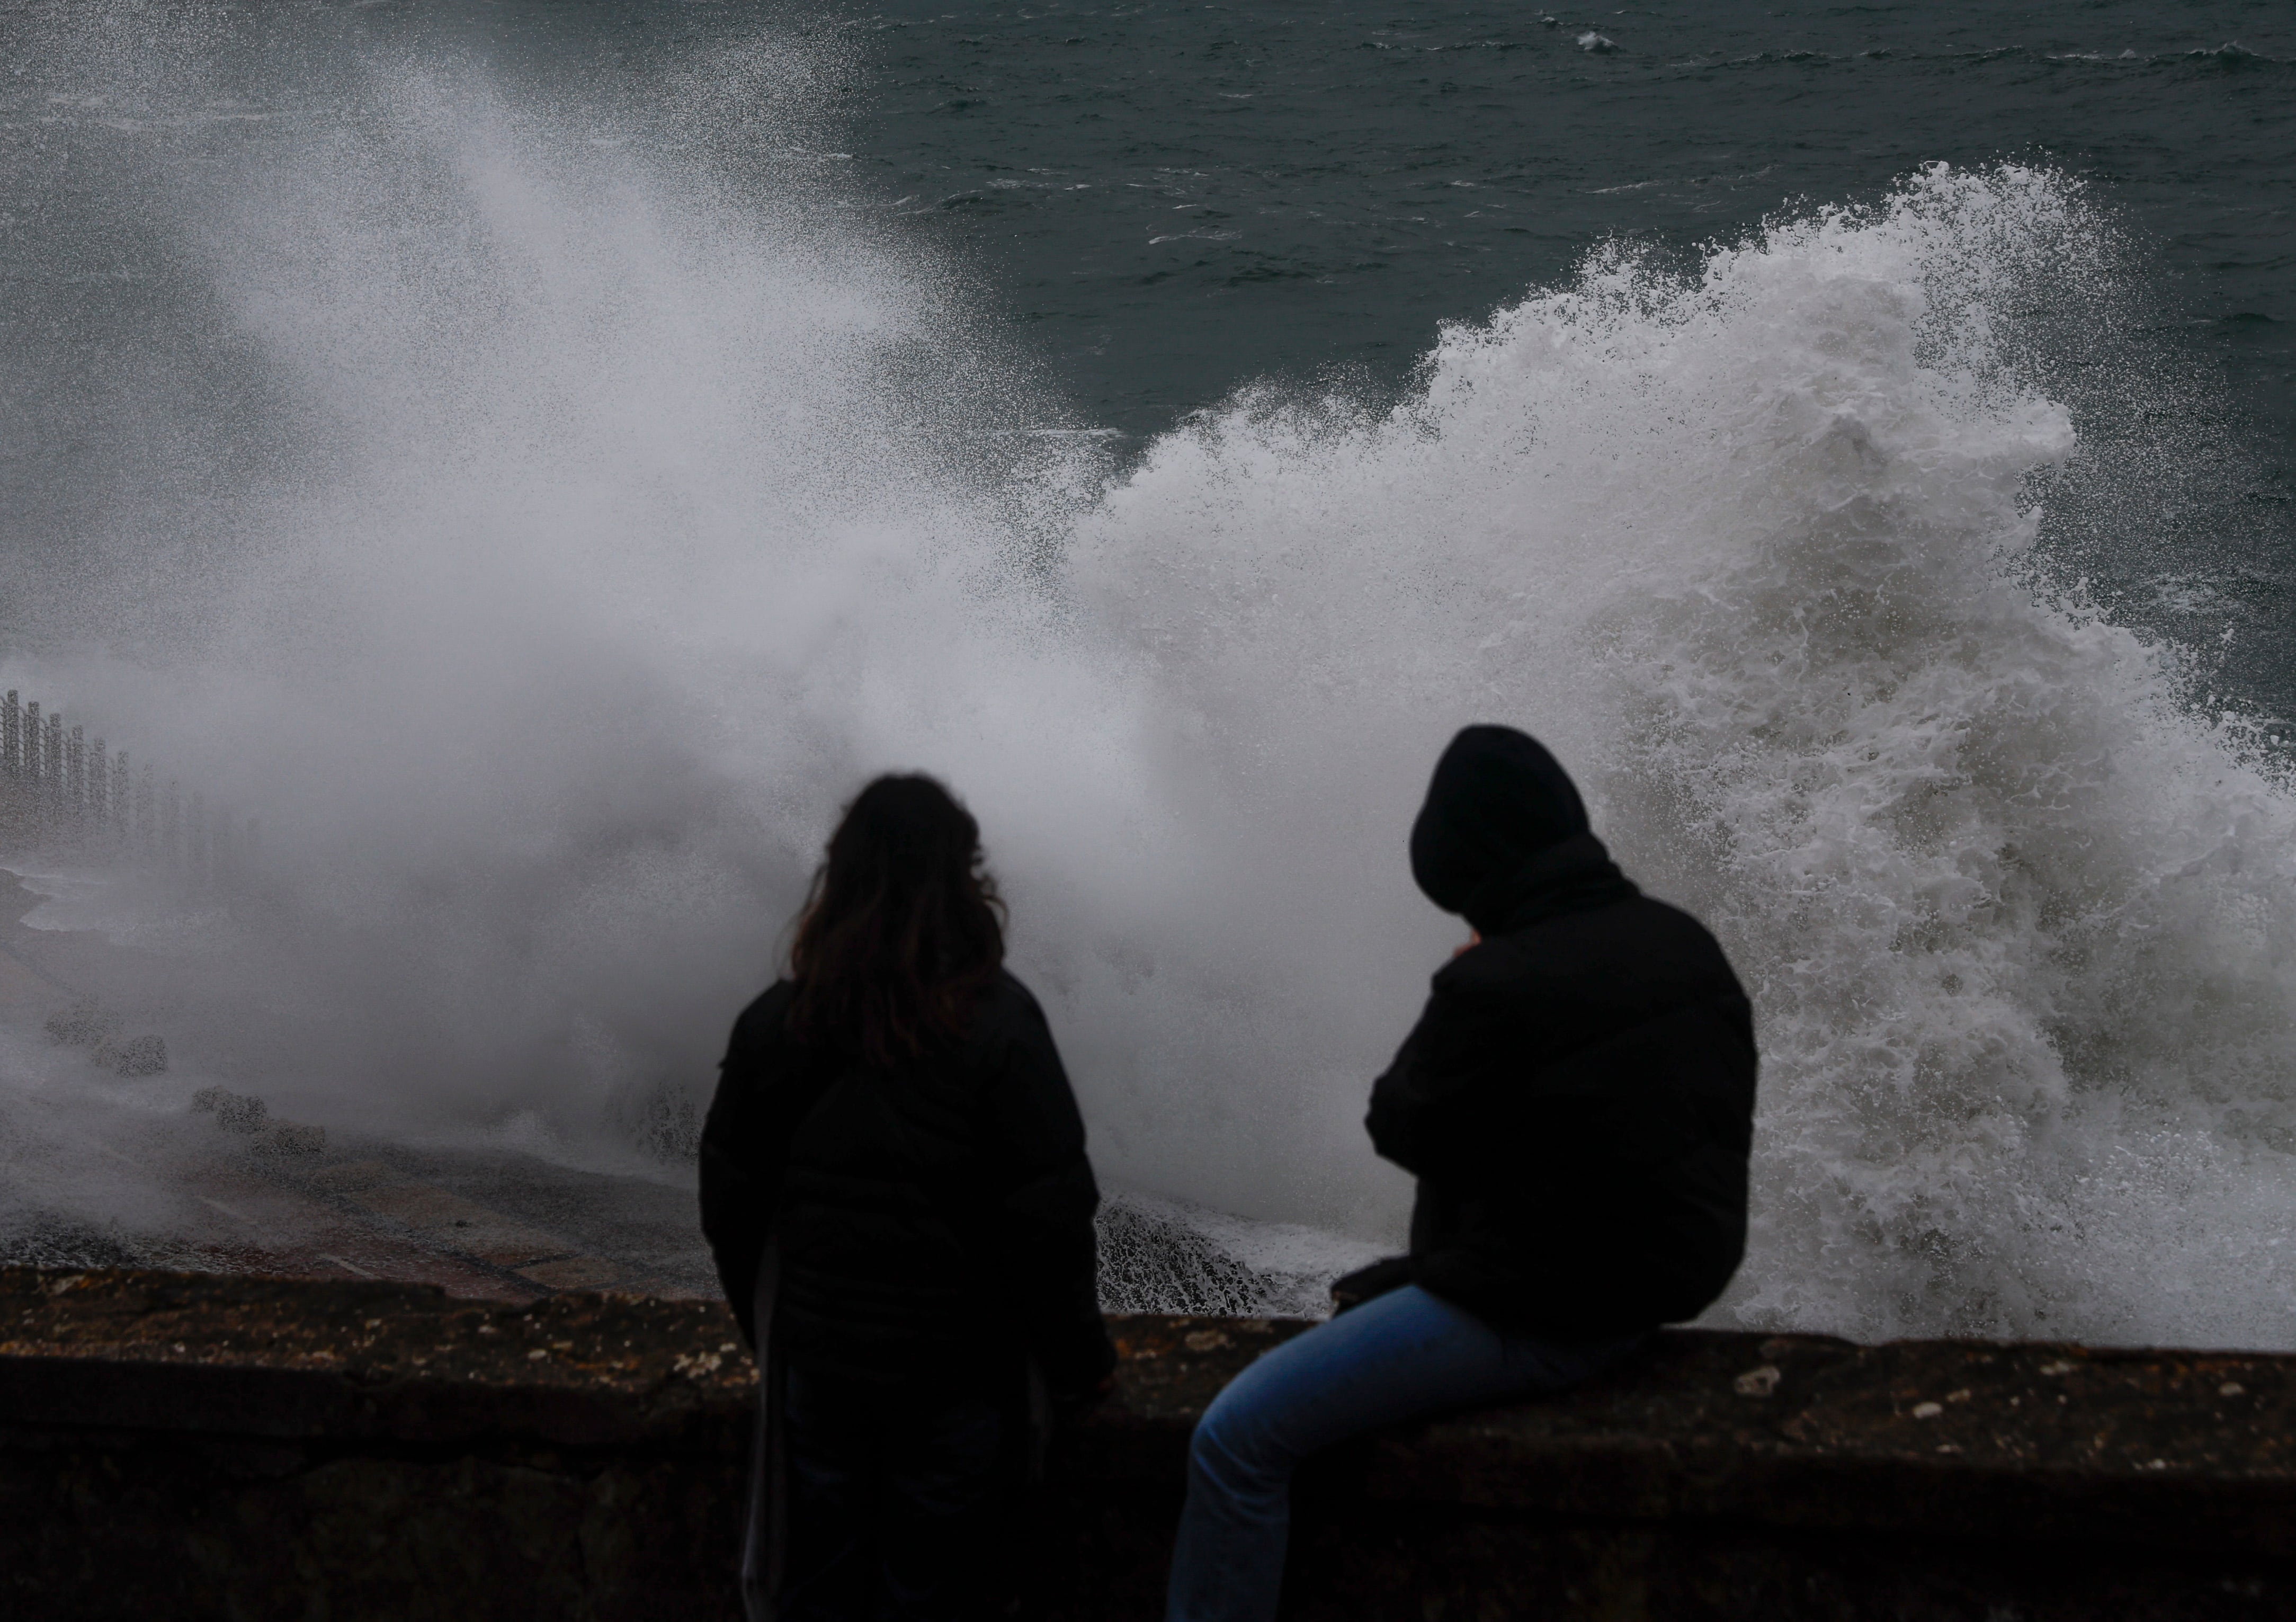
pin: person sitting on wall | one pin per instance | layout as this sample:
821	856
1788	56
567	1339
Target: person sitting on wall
1577	1103
894	1190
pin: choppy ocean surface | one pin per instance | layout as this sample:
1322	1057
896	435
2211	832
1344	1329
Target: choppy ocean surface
542	456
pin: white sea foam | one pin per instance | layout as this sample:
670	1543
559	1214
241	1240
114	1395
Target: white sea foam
1161	1256
609	524
1749	547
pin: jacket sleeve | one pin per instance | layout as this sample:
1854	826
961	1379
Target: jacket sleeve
1045	1217
764	1093
1423	1109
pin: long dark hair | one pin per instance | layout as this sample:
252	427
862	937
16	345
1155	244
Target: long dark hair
903	930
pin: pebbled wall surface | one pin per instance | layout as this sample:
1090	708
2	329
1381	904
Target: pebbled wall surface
199	1446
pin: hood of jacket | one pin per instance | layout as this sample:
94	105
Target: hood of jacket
1502	837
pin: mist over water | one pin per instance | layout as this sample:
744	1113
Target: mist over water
547	509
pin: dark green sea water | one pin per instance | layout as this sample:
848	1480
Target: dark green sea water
1170	199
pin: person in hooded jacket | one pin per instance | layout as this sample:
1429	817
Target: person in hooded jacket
894	1190
1576	1104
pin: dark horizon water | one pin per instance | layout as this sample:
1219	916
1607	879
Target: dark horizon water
1172	199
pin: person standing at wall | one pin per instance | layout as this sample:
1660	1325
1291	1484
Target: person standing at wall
895	1189
1577	1103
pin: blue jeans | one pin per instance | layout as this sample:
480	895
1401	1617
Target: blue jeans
1399	1357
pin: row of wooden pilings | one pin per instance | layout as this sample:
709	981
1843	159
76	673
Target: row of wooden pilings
64	794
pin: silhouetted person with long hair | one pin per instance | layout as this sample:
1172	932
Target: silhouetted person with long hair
895	1188
1577	1101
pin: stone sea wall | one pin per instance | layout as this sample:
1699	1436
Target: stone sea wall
188	1445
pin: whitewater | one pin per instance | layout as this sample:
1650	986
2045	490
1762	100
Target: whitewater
593	529
1751	547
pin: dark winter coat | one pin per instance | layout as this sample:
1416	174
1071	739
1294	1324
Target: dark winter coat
1576	1099
931	1221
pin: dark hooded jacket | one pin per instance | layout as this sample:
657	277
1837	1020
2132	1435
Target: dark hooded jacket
1576	1099
931	1221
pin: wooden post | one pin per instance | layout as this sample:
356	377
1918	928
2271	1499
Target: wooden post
75	781
11	767
96	818
52	775
34	797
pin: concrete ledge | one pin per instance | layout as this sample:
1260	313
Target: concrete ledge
198	1445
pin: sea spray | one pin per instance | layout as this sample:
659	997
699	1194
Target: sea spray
1753	545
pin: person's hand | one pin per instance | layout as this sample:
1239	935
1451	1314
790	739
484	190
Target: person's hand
1474	938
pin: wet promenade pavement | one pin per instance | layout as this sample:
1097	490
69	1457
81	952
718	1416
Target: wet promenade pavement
215	1181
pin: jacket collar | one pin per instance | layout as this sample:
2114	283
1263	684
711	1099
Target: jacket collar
1575	876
